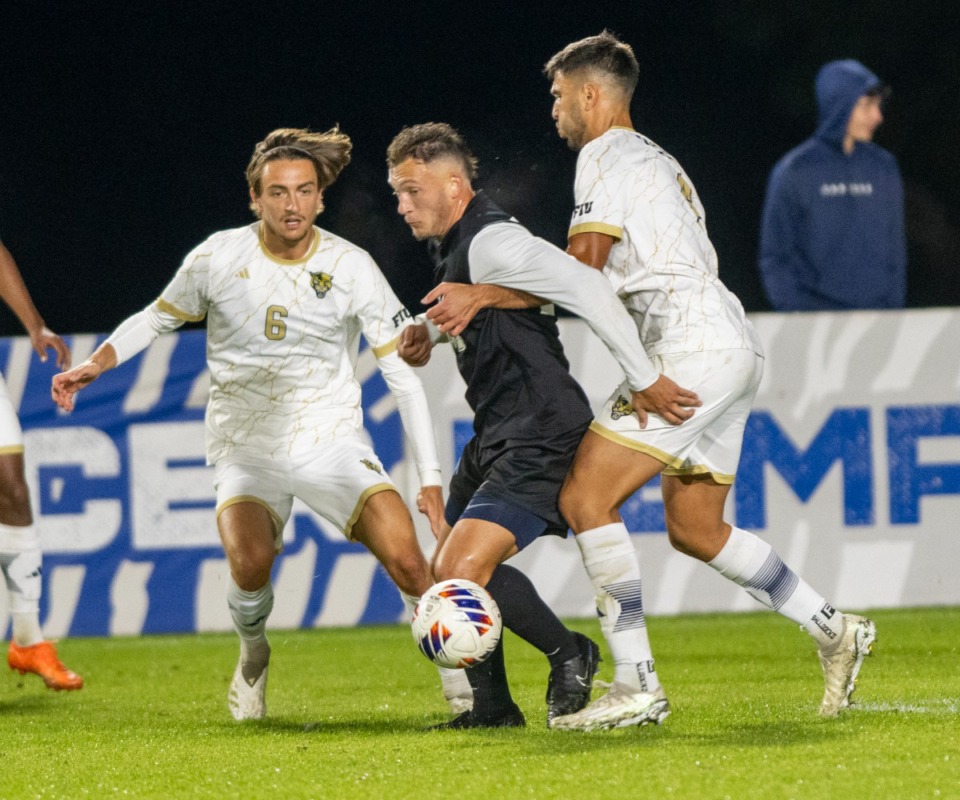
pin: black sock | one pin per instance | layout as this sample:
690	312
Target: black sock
525	613
488	679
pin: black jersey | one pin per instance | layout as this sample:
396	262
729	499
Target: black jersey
518	378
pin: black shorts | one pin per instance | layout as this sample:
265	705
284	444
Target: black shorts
514	484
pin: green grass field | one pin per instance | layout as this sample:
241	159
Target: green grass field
346	709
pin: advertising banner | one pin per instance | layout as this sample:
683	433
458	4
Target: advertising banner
850	468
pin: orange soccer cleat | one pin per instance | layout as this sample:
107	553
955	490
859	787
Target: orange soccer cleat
41	659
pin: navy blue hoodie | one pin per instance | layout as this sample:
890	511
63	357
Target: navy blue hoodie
832	232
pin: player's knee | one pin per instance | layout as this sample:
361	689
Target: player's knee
251	567
448	567
583	510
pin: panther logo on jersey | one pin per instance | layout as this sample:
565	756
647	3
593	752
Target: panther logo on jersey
371	466
321	283
621	408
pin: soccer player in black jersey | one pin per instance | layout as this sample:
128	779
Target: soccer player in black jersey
530	414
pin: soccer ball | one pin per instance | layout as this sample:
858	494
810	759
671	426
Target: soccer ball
456	623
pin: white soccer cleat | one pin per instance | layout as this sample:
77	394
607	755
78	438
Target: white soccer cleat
246	701
842	663
620	707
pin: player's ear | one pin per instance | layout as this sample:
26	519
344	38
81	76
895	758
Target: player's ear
589	95
454	184
255	200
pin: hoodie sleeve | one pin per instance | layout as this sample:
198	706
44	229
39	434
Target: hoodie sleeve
781	261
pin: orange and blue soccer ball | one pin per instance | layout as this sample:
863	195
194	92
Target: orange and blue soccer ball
457	623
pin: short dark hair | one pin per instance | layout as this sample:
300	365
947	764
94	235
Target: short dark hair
601	53
430	141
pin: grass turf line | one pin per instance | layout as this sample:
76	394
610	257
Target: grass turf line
346	708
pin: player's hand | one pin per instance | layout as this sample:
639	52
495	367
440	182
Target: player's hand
430	504
44	338
457	304
414	345
667	400
67	384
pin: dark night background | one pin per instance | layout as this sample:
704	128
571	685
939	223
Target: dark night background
126	127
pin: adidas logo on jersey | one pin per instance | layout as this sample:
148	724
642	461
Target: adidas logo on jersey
244	273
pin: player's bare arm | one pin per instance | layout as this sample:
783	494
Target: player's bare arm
414	345
458	303
14	293
66	384
430	504
591	248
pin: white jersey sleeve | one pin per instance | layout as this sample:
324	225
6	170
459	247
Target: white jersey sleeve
183	300
137	332
382	316
507	254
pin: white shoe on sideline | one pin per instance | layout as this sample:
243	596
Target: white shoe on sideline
842	663
620	707
246	701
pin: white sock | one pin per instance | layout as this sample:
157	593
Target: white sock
23	570
753	564
614	569
454	681
250	611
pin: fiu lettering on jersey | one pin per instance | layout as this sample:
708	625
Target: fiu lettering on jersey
582	208
321	283
400	316
621	408
371	466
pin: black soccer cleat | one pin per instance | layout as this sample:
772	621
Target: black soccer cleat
568	689
511	718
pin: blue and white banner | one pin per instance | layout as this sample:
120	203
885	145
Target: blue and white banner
850	467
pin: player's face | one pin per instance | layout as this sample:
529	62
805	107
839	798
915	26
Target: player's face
426	195
289	202
865	118
567	113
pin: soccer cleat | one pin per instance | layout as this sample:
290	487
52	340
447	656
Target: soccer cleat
842	663
248	701
511	718
568	689
41	659
620	707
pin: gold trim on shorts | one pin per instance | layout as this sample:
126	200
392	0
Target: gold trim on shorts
626	441
249	498
11	450
699	469
358	509
674	465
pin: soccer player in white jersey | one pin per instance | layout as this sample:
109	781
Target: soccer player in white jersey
638	218
20	554
285	302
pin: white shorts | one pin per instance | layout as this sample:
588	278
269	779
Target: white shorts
335	481
710	441
11	434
